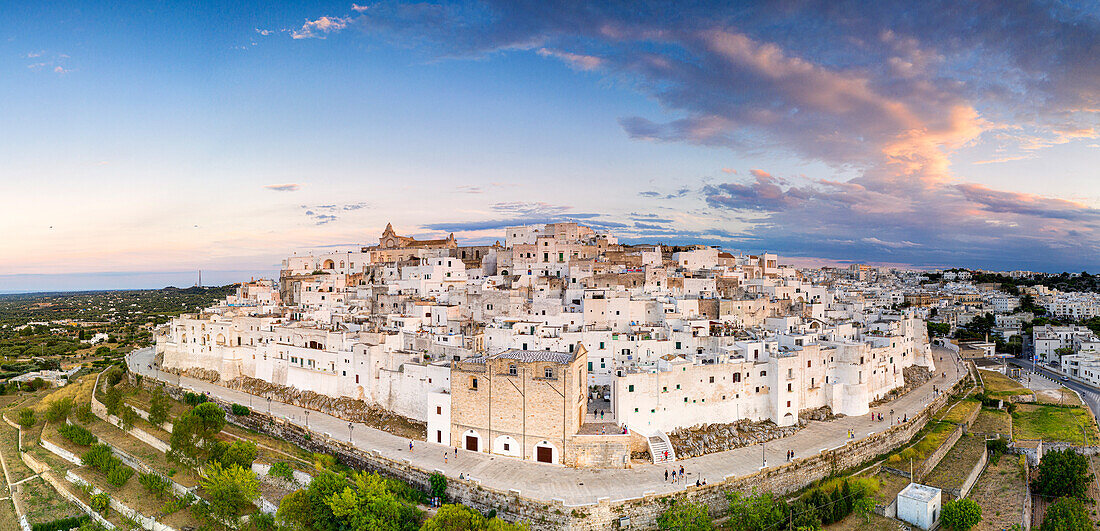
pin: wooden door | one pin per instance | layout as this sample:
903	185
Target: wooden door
544	454
471	443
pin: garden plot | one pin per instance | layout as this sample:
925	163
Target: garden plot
1001	492
1055	424
145	453
9	446
957	464
42	503
8	520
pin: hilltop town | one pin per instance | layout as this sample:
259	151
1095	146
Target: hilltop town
530	347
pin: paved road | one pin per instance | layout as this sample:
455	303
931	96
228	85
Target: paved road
1091	395
580	486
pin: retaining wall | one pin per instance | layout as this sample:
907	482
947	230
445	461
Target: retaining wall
640	512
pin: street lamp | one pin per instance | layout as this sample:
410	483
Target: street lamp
350	439
763	460
269	405
307	419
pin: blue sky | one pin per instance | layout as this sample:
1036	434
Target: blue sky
145	139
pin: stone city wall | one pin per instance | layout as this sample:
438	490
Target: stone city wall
640	512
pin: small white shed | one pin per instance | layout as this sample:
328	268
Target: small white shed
919	505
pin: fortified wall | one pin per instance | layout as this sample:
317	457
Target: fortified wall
631	513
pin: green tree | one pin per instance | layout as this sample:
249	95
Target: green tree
240	453
1066	514
193	433
456	517
756	511
330	503
961	515
1063	473
229	489
685	516
159	407
439	485
59	409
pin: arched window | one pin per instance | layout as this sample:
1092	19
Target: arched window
512	369
549	372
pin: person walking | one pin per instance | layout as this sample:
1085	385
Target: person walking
410	446
681	470
444	457
673	476
666	474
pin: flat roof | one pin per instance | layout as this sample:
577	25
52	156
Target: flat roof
923	493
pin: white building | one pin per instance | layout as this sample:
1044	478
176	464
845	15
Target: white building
919	505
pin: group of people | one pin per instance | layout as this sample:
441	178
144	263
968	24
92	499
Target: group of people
682	476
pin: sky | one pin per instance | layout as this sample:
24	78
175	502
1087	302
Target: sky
141	142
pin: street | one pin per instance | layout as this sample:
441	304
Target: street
581	486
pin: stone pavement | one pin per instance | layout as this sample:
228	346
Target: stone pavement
581	486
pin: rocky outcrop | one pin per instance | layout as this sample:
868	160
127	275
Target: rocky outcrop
346	408
198	373
914	375
709	438
821	413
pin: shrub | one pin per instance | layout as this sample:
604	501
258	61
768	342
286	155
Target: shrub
281	470
119	475
686	517
961	515
156	485
127	417
101	503
240	453
77	434
239	410
63	524
26	417
193	399
996	448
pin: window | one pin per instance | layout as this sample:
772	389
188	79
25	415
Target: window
506	446
512	369
356	378
685	399
763	373
788	403
736	377
677	386
789	388
635	410
809	363
438	410
601	345
473	383
630	388
590	366
549	372
677	345
711	379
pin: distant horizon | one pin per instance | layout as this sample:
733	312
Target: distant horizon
153	280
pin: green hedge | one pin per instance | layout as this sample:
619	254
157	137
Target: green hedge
64	524
77	434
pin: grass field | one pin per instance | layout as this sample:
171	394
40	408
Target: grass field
961	410
992	421
1052	423
1062	396
998	385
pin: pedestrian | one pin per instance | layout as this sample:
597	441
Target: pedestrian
410	446
666	474
456	452
444	457
666	455
673	476
681	470
704	481
697	484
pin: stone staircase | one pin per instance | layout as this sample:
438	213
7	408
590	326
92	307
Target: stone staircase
658	445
